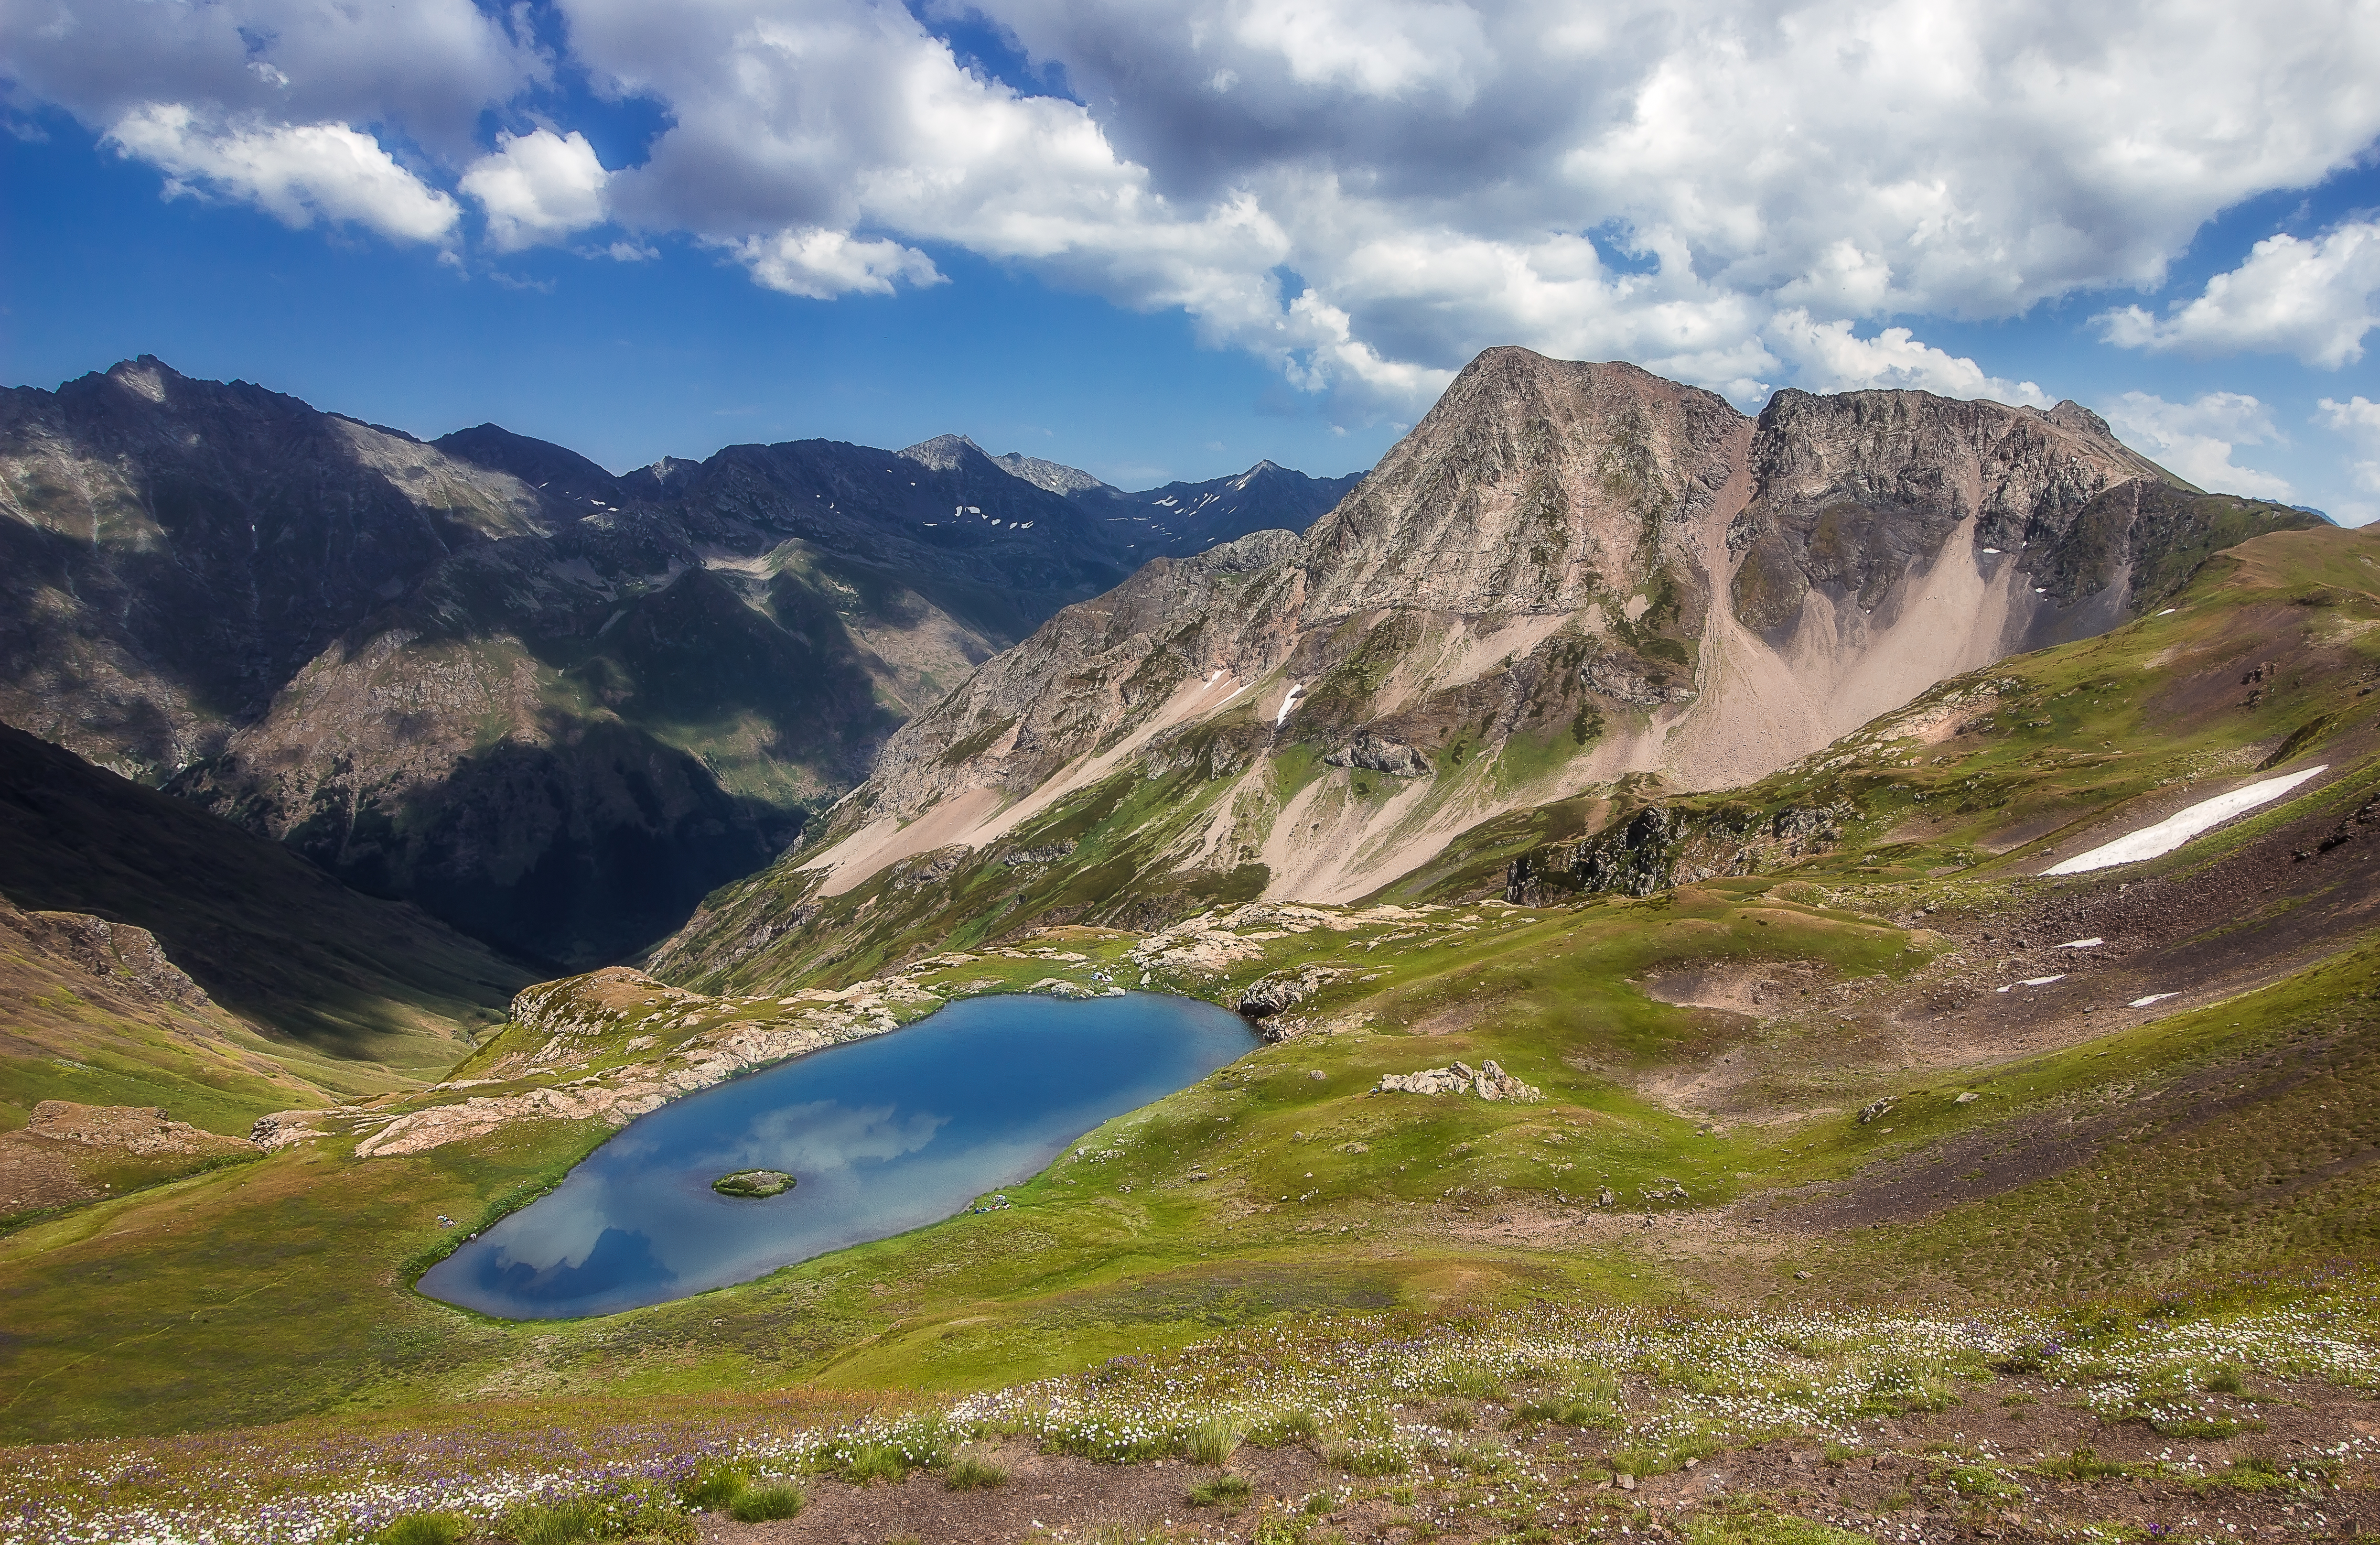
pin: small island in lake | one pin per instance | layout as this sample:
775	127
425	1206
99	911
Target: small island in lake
753	1183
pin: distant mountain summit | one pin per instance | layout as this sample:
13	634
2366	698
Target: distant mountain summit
1190	517
1184	518
1057	479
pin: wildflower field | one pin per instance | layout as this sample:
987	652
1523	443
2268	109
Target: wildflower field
1450	1416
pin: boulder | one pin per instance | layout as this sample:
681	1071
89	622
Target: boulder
1488	1081
1283	990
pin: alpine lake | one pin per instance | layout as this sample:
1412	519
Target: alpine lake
878	1136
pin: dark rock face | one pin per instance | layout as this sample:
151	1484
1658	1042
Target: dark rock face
1188	519
163	888
173	551
1660	847
1182	519
120	954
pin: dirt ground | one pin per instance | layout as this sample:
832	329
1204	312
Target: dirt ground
1898	1482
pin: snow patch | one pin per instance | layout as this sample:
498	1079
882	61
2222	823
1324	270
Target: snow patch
2155	841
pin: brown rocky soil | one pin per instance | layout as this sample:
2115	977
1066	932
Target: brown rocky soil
67	1152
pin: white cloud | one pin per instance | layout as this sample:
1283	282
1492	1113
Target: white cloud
298	173
428	66
1828	358
2314	299
822	265
1365	192
2359	419
1427	171
1379	48
2196	438
538	186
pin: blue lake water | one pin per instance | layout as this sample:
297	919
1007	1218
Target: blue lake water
880	1136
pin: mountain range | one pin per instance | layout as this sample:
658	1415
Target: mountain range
553	706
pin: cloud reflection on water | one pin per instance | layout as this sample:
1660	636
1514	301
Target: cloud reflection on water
882	1136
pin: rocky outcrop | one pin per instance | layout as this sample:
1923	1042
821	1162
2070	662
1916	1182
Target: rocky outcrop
280	1128
1278	992
67	1153
1488	1081
643	1043
143	1130
1375	753
117	952
1662	846
1627	679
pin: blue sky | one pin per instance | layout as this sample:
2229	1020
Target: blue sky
624	361
1162	241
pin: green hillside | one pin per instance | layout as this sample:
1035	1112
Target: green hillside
328	993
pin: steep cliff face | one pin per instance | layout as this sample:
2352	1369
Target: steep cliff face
1568	578
1855	492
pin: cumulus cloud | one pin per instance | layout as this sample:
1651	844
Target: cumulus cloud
822	265
2196	438
295	172
1828	358
431	65
2314	299
2359	419
539	186
1683	184
1365	192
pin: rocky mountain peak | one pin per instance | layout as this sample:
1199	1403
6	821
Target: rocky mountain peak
2076	418
1533	484
146	376
945	453
554	470
1056	477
